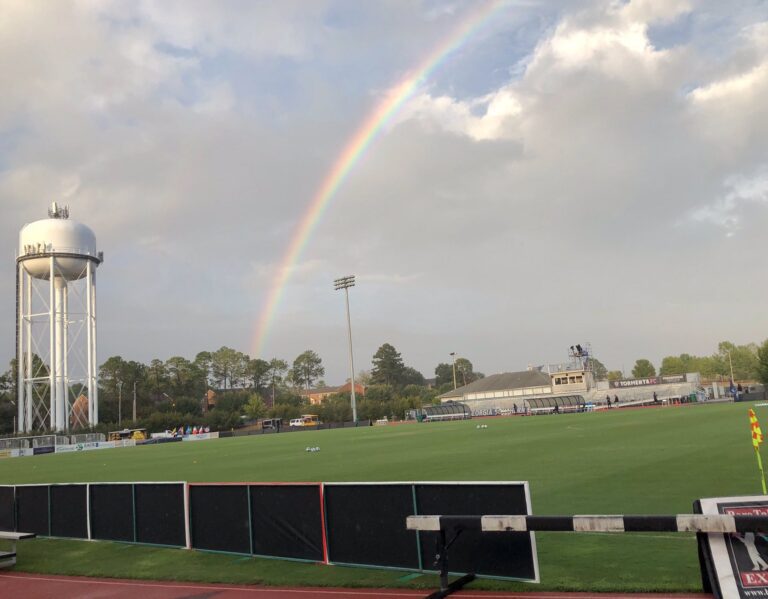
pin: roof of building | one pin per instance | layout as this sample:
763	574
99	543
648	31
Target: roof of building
502	382
318	390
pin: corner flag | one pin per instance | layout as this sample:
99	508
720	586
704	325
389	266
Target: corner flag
757	439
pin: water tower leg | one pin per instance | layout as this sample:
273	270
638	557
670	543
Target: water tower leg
52	334
94	363
65	355
20	387
29	402
89	340
61	410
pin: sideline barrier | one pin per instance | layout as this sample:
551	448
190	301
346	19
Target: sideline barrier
332	523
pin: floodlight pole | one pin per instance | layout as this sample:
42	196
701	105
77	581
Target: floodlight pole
453	355
345	283
730	362
119	403
134	401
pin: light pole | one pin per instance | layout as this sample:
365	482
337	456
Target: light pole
730	363
134	401
345	283
453	355
119	403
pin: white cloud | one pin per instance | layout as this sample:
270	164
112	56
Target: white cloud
727	210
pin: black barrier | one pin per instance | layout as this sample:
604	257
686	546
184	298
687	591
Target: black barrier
7	509
32	509
482	553
69	511
219	518
160	517
112	512
355	524
287	521
365	525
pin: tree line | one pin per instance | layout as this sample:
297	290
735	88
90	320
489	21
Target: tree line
172	392
747	362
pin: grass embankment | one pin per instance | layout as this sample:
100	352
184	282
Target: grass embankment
640	461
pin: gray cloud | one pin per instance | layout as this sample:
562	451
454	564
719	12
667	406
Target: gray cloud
606	190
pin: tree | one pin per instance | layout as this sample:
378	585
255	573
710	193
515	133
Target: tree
276	371
388	367
203	362
228	367
185	377
257	372
411	376
671	365
643	369
599	369
255	407
743	358
444	374
307	368
762	363
615	375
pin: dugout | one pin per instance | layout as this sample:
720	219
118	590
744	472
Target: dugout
451	410
563	403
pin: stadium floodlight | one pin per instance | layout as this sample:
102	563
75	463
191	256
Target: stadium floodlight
338	284
453	355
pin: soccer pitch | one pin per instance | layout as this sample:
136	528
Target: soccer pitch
645	461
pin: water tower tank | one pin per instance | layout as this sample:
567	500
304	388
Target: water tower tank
71	242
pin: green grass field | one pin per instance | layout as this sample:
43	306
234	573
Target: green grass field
650	461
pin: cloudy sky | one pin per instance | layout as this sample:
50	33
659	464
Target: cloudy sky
574	171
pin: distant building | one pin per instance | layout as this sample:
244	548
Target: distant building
533	390
501	391
319	395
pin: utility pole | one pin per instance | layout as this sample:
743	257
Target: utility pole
345	283
134	401
119	403
453	355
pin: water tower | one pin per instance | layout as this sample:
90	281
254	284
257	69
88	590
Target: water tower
56	323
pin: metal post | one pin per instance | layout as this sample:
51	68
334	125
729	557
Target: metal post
29	391
20	345
134	401
351	360
52	326
345	283
65	343
119	403
89	341
453	355
93	349
730	362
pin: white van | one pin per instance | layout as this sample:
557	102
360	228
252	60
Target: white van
297	422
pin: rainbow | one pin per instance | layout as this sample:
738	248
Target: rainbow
353	150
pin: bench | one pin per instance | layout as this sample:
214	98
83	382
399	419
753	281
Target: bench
8	558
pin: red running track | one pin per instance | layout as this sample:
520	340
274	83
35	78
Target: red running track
38	586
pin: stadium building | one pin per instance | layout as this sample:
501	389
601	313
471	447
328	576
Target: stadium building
567	387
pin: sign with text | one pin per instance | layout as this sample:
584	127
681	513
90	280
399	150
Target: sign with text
737	563
651	380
